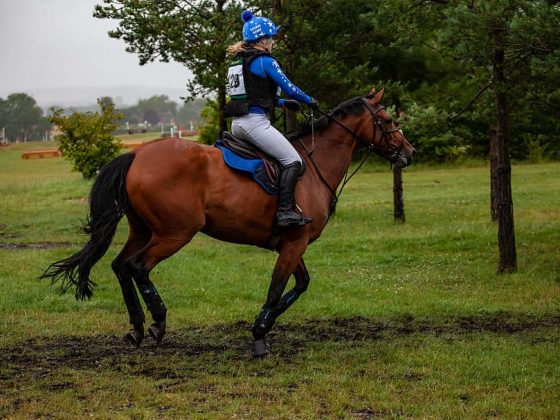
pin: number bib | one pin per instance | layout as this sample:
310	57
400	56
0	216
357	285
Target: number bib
235	83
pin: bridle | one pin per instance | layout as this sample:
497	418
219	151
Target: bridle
377	123
371	147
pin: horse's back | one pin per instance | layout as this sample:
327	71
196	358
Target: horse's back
160	165
173	181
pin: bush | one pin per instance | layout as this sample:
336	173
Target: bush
87	138
210	128
432	135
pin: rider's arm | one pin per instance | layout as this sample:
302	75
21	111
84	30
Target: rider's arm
267	66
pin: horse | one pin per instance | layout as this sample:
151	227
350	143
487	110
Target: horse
170	189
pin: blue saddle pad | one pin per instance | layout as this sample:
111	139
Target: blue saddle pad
254	167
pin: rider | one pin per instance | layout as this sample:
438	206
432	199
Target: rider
254	83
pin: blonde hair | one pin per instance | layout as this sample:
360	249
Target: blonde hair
236	48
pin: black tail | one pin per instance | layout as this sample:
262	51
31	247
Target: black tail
108	203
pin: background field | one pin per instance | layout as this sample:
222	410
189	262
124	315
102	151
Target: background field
399	320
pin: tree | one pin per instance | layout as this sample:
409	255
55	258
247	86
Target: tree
87	138
195	34
504	47
210	123
190	112
22	118
151	116
338	48
497	42
160	104
106	100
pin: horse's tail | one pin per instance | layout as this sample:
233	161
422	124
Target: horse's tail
108	203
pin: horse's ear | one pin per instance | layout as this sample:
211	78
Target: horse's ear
371	94
379	96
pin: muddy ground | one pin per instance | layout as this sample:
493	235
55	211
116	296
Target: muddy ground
39	357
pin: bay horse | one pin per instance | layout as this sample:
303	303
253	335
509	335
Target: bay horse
171	189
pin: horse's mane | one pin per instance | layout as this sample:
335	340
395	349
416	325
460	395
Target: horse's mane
354	106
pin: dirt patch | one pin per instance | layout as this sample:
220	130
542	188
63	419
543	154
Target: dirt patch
360	328
78	200
197	349
40	245
374	414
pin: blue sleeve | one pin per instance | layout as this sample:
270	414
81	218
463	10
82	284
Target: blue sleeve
267	66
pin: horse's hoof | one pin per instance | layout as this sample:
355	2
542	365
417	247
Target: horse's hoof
134	338
260	348
157	331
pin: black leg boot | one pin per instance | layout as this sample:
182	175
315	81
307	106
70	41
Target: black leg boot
287	215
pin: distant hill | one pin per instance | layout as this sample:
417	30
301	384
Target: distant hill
85	97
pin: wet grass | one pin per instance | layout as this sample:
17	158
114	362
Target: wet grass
399	321
318	369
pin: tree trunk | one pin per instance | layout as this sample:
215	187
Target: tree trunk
221	107
506	231
279	16
398	200
277	7
493	174
222	86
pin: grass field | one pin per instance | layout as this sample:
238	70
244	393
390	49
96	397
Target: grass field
400	321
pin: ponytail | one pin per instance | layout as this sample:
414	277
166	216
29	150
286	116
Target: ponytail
237	48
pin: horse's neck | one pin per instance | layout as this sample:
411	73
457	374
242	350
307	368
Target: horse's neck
332	154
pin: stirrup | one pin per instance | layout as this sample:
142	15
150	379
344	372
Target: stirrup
291	218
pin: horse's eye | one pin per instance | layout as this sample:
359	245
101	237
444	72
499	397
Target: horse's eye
389	121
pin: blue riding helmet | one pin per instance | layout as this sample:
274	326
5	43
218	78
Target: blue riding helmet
256	27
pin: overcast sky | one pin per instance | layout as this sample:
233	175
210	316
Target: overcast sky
57	52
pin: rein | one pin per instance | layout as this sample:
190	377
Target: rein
371	147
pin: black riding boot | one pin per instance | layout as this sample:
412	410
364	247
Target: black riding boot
287	215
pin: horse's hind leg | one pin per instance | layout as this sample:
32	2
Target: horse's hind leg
139	236
290	260
140	265
151	297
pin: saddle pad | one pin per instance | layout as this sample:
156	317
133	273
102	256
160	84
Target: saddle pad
254	167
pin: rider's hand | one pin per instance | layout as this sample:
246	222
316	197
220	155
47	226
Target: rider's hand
292	105
314	105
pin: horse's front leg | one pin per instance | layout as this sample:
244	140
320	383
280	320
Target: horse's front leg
302	281
288	261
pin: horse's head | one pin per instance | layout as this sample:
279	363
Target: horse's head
381	135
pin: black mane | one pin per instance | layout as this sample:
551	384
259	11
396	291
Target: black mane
354	106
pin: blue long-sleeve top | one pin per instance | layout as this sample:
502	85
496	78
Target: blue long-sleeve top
266	66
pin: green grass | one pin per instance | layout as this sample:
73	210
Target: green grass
399	320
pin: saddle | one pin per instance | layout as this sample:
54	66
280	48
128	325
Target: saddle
245	157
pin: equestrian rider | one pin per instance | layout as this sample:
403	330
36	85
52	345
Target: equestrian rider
254	83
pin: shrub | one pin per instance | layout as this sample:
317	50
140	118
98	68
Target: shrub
432	135
210	127
87	138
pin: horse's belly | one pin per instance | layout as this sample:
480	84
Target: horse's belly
240	214
238	237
